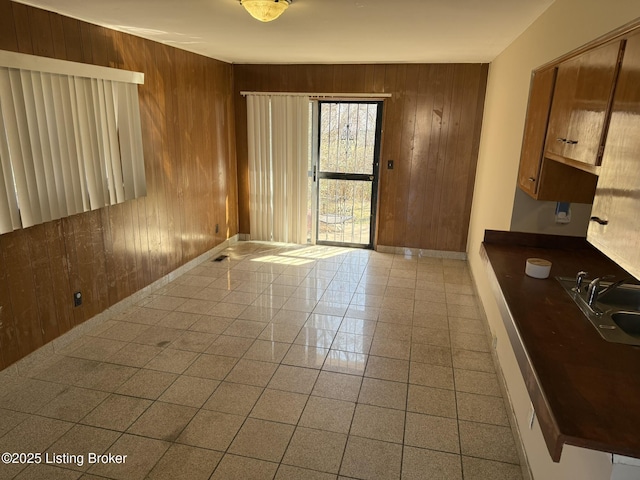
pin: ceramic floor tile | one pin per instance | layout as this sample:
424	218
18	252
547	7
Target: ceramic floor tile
490	442
215	367
47	472
142	455
431	354
469	341
212	430
479	469
279	406
324	322
252	372
351	363
470	360
234	467
391	348
377	367
280	332
327	414
34	434
477	382
189	391
338	386
164	421
305	356
482	409
369	459
357	326
193	341
245	328
431	401
73	404
9	419
420	464
262	439
431	375
230	346
393	331
134	355
351	342
387	369
179	320
107	377
211	325
315	337
183	462
288	472
315	450
434	433
233	398
158	336
117	412
383	393
378	423
267	351
294	379
147	384
81	440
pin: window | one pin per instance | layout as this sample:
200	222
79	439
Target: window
70	139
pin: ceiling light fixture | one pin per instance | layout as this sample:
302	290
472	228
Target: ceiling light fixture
265	10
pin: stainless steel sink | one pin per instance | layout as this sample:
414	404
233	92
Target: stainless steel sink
616	315
628	321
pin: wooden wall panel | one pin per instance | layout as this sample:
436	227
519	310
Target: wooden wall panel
186	108
431	129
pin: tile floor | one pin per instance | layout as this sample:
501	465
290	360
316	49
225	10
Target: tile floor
278	362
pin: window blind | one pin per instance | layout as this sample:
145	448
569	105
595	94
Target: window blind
68	143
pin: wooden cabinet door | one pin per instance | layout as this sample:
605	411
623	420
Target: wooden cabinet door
615	225
579	113
540	94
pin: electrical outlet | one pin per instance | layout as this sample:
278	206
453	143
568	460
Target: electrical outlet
494	342
77	299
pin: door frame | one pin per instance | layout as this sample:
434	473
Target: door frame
317	174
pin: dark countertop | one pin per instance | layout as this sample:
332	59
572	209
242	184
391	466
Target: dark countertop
585	390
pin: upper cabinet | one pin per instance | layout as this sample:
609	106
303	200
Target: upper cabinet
567	123
581	102
615	225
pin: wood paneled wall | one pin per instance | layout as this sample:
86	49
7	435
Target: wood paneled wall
186	106
431	130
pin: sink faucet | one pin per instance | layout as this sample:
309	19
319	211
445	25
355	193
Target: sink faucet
580	276
594	292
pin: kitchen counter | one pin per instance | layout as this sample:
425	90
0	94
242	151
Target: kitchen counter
585	390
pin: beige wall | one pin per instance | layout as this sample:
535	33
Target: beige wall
566	25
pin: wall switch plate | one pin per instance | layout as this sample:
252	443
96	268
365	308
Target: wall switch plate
390	164
77	299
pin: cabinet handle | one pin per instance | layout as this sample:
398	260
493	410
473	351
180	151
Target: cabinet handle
563	140
572	142
531	179
599	221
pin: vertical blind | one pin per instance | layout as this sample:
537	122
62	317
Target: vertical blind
278	136
68	144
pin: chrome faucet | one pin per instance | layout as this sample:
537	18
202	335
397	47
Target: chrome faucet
580	276
594	293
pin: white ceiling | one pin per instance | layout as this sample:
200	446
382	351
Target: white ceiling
319	31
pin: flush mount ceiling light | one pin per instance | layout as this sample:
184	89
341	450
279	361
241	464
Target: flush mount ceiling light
265	10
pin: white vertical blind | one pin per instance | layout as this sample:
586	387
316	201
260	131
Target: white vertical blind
278	136
68	144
